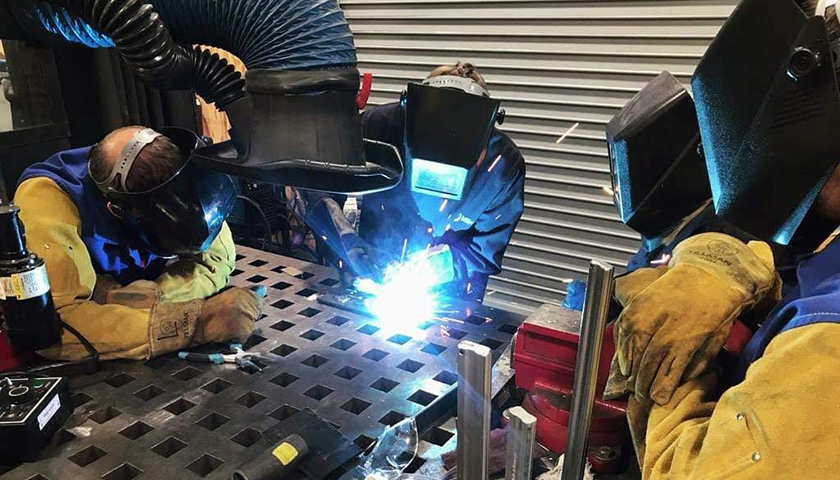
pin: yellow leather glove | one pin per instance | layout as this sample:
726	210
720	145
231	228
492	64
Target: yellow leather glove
229	315
671	330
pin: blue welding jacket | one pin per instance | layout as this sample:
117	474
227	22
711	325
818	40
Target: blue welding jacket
477	228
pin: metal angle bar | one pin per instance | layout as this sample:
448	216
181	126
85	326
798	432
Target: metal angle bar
474	397
522	429
599	289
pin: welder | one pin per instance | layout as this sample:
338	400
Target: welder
135	241
768	107
460	198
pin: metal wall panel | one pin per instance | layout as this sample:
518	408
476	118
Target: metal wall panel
553	64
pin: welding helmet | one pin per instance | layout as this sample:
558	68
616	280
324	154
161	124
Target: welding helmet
448	124
181	216
768	108
657	169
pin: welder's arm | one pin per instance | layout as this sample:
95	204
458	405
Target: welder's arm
478	251
202	275
53	229
775	424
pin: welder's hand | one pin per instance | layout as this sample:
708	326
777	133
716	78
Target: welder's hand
435	264
229	315
364	261
671	330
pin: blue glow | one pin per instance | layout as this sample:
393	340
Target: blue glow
438	179
407	296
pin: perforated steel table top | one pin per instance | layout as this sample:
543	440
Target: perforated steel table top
172	419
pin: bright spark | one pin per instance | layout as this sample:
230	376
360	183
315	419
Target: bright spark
443	204
608	190
493	165
574	127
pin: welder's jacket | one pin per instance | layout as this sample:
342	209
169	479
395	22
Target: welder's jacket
86	248
477	228
781	420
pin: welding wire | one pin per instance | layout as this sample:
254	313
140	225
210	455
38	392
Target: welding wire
567	133
443	204
493	165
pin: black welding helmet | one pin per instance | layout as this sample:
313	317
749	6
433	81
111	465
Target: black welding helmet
768	107
658	173
448	124
181	216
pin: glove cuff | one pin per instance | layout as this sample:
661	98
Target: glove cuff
173	326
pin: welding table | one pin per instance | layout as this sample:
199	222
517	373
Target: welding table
170	419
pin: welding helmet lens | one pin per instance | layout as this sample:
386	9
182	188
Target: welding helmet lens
447	130
184	214
768	107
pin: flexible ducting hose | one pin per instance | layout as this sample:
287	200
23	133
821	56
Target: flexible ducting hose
265	34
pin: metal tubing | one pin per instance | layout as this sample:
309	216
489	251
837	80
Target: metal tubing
474	396
522	428
599	289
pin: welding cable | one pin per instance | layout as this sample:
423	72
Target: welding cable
267	224
85	366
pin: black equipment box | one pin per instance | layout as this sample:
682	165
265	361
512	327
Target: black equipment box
31	411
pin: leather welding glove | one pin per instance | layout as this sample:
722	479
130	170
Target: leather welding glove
229	315
679	323
140	294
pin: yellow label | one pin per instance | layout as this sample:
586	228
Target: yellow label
285	453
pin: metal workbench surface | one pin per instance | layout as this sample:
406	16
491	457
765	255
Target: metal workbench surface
171	419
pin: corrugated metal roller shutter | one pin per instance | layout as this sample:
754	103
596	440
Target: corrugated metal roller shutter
553	65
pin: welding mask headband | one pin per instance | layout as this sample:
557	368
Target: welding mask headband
183	215
446	134
768	107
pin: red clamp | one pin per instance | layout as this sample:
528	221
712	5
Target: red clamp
364	93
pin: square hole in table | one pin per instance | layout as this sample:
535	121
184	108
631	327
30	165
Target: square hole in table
250	399
508	328
343	344
240	257
236	272
204	465
410	366
318	392
311	335
80	398
278	269
169	447
148	393
422	397
363	442
375	354
438	436
305	275
446	377
257	279
355	406
309	312
63	436
159	362
400	339
476	320
491	343
315	361
284	350
186	373
281	285
126	471
38	476
118	381
284	379
384	385
415	464
282	326
347	372
368	329
330	282
338	320
392	418
307	292
105	414
179	406
454	333
433	349
247	437
213	421
136	430
253	341
425	325
258	263
283	412
282	304
87	456
217	386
